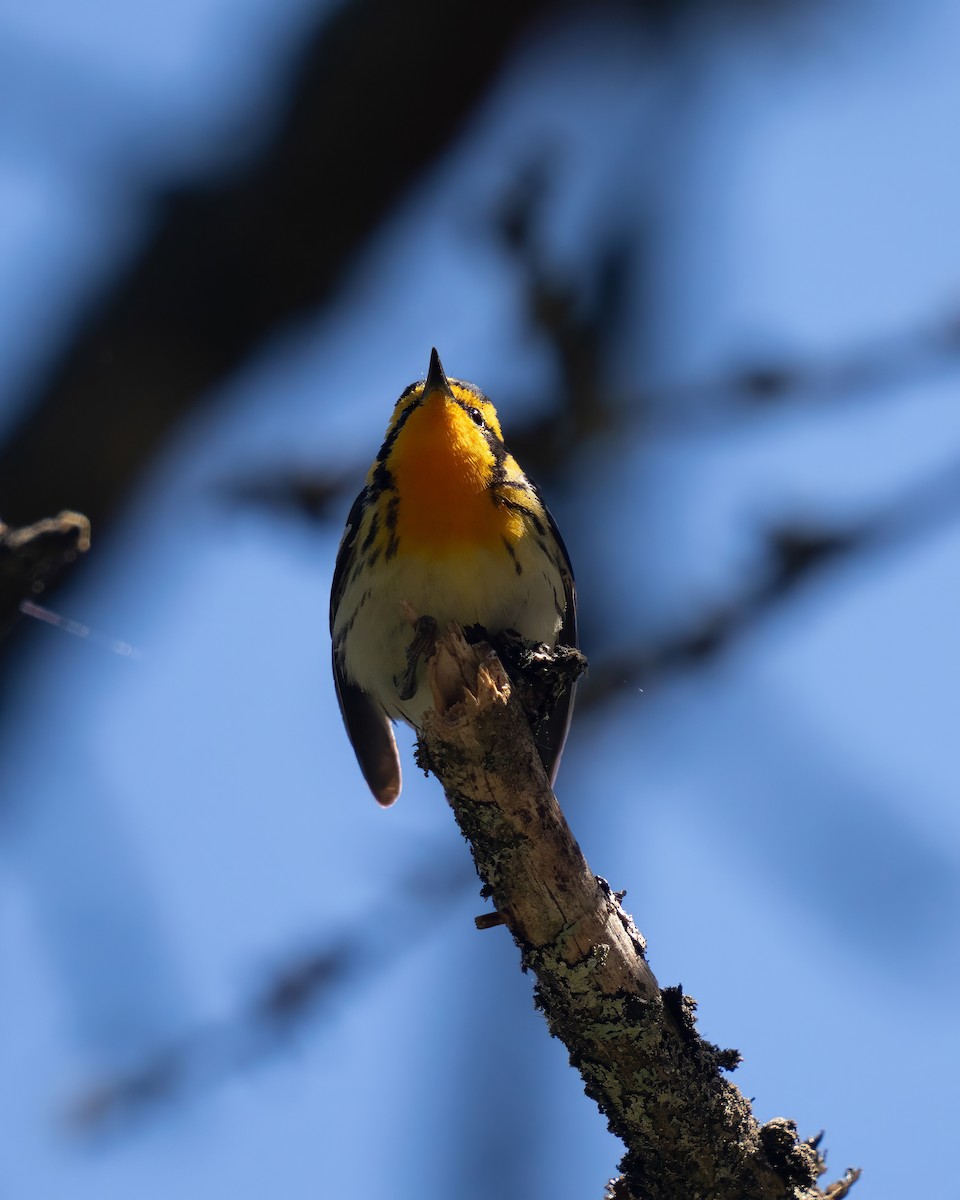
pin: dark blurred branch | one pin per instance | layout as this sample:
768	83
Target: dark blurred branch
688	1131
549	444
212	1053
579	318
314	495
797	556
582	320
379	90
294	998
30	557
921	354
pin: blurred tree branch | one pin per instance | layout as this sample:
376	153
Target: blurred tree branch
296	994
232	257
798	554
31	556
927	351
549	442
688	1131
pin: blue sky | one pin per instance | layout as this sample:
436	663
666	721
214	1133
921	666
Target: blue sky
784	820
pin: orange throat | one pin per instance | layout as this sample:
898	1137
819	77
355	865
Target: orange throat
442	465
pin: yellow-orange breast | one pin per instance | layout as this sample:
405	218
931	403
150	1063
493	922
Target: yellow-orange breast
442	466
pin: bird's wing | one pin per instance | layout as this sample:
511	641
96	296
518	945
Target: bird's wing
368	727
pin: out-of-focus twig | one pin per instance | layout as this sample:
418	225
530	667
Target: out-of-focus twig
918	354
213	1052
578	319
546	447
32	555
797	555
295	997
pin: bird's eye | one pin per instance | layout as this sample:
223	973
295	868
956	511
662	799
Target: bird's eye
476	416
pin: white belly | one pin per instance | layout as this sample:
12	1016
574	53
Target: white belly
477	588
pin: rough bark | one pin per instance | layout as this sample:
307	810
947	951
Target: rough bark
688	1131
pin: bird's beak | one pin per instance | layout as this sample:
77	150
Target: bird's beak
436	380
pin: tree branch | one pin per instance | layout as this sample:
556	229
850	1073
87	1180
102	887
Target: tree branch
237	253
31	556
305	988
688	1131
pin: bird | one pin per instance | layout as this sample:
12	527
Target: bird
447	528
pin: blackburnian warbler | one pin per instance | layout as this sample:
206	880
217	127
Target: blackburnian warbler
447	527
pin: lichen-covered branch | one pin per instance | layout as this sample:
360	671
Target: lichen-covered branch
32	555
689	1132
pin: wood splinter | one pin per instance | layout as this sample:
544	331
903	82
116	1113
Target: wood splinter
489	920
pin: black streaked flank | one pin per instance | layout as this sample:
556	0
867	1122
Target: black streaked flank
390	519
381	481
516	506
390	439
371	532
513	554
498	476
